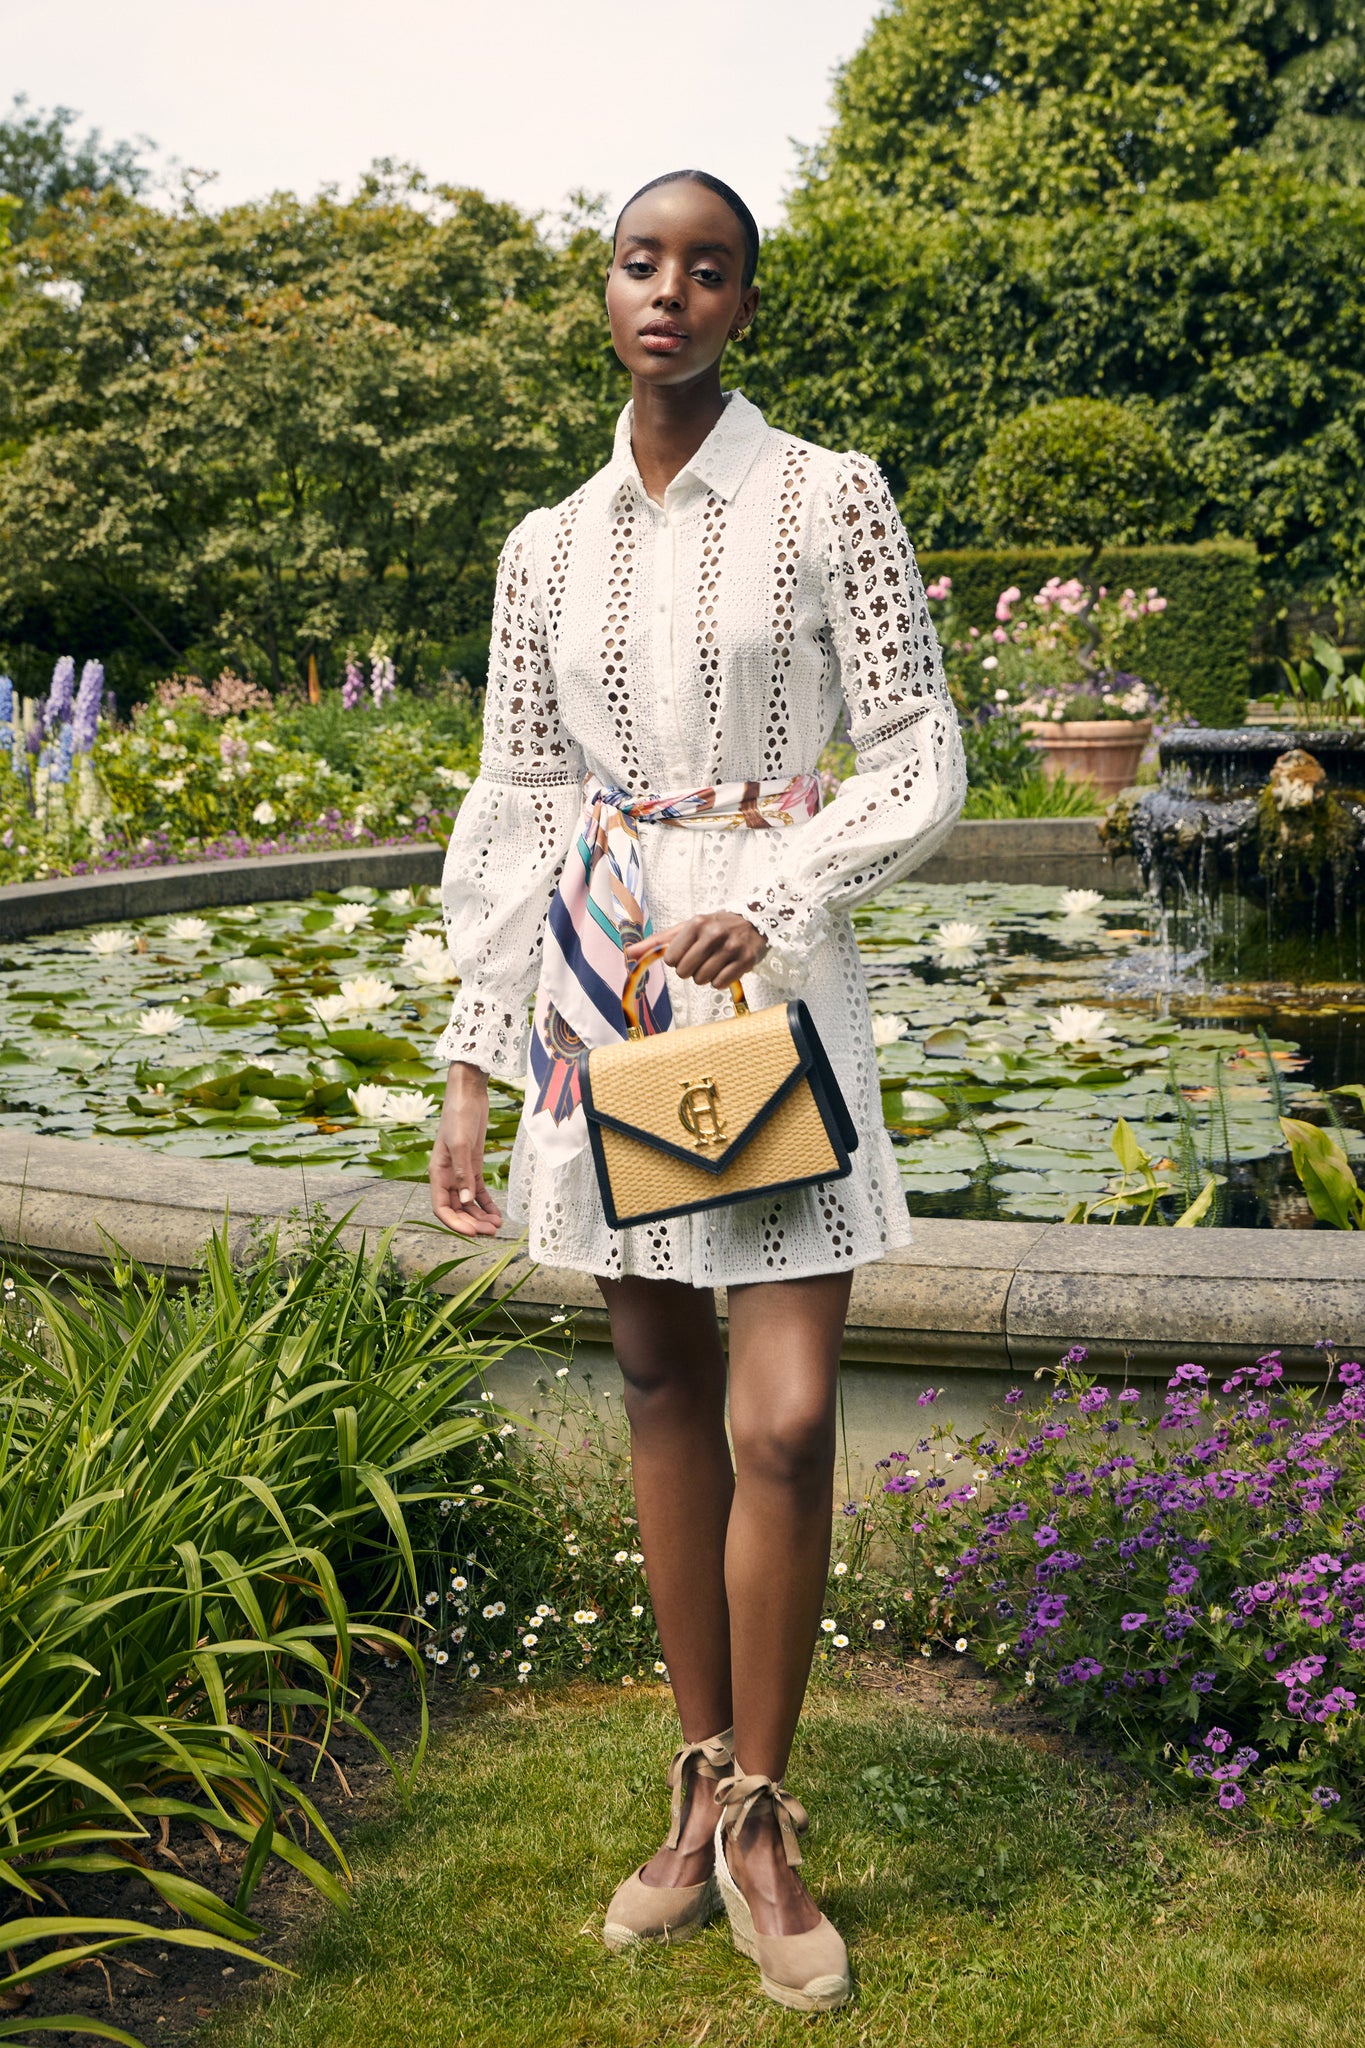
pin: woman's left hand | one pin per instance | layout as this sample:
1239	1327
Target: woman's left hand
711	950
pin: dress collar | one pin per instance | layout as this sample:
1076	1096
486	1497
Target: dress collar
720	464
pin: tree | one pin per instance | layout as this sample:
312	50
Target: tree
1237	323
41	160
286	429
1046	105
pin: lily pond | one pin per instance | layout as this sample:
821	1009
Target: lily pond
1016	1026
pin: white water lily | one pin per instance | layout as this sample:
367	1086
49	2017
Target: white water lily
370	1101
368	992
1079	902
240	993
330	1009
264	813
190	929
1075	1025
435	969
160	1023
348	917
887	1029
402	899
408	1106
107	943
959	936
422	945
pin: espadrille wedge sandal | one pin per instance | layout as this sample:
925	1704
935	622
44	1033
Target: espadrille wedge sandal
809	1971
671	1913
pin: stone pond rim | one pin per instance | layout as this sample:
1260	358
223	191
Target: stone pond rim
1055	853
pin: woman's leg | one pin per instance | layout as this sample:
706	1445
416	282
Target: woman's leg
785	1337
668	1344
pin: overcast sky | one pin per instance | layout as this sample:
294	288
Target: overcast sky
529	99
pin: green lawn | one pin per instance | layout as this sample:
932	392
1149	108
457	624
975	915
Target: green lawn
993	1895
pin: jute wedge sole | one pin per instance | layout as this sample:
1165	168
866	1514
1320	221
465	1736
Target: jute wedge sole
807	1972
671	1913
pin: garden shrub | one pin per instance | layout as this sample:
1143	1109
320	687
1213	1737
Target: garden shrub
1197	652
205	1499
1077	473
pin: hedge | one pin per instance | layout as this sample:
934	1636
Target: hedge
1199	648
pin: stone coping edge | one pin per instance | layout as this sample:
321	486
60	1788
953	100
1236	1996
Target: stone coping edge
994	1296
1056	852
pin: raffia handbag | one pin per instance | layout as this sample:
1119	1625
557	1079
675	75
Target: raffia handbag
709	1114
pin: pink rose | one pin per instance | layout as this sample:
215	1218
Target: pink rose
1000	634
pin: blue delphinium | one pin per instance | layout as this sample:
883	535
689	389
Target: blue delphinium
57	709
86	716
59	766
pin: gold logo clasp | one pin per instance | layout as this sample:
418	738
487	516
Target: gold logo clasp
699	1112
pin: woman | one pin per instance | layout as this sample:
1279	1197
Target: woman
696	616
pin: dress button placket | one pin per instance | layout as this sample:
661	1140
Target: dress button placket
665	667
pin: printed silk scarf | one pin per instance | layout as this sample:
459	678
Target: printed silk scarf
597	911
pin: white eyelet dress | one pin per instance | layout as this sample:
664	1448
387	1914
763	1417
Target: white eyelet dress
715	638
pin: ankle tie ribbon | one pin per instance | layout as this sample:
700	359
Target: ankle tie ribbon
738	1796
714	1755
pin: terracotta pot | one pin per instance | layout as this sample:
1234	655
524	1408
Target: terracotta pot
1105	751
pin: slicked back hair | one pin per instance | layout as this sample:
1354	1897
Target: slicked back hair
748	225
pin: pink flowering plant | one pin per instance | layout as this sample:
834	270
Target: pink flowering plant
1067	652
1192	1584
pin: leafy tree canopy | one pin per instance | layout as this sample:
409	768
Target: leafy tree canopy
1008	106
1236	324
282	429
42	159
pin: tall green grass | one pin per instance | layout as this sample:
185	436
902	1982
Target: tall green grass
203	1500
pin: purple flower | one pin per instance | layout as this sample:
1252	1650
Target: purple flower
58	703
1051	1610
86	716
1338	1701
1296	1700
1014	1397
1202	1681
353	687
1350	1373
1045	1537
1231	1795
1130	1394
1217	1740
1324	1796
929	1394
1091	1399
1086	1667
1131	1621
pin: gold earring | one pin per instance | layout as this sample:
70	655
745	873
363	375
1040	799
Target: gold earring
738	333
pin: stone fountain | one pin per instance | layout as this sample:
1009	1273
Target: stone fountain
1268	819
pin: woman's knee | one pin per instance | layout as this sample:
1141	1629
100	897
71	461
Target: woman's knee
790	1446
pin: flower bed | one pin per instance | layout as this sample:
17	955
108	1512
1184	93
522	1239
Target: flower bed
1191	1584
222	772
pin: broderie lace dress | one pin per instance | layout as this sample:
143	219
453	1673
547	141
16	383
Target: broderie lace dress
714	638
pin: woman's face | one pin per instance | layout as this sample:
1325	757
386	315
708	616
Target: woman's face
675	290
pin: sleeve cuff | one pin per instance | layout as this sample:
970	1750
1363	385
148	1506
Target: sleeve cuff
481	1035
792	923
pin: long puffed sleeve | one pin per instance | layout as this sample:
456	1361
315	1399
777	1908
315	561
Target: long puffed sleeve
509	841
911	778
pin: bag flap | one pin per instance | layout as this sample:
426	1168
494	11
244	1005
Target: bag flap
699	1093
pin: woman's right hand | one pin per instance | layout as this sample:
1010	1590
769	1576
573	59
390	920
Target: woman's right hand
459	1198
